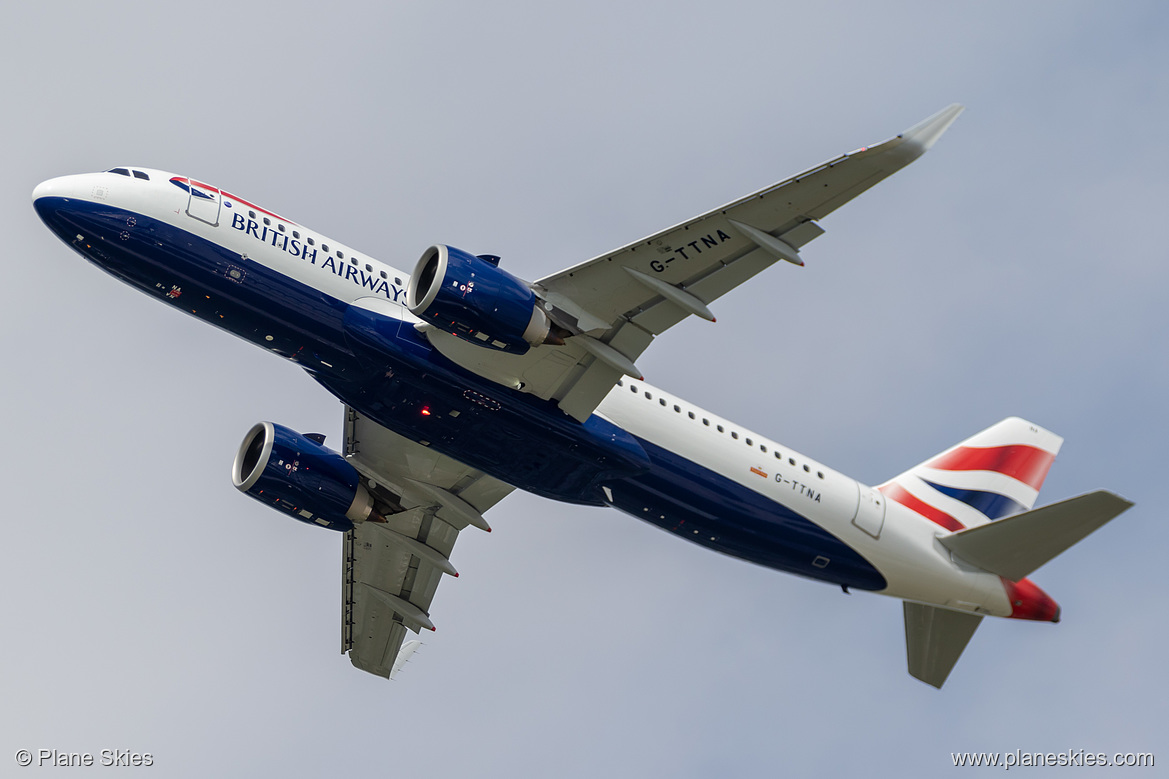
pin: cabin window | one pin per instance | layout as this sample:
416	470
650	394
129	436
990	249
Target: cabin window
734	435
648	396
633	388
820	474
267	221
296	234
397	281
369	268
778	456
620	383
720	428
691	414
325	248
251	214
311	242
280	227
341	255
763	448
678	409
807	469
791	461
352	260
748	442
662	401
706	421
384	276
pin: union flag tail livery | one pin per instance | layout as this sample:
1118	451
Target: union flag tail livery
462	382
986	477
983	491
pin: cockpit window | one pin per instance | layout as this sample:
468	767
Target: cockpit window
124	172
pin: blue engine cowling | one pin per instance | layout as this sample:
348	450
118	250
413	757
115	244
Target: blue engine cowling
471	298
294	474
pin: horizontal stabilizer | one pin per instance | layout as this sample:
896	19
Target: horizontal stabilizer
1015	546
934	640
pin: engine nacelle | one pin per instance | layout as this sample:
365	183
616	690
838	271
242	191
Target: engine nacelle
293	473
471	298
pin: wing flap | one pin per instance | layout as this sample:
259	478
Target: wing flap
589	390
369	632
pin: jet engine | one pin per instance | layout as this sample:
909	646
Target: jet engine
301	477
471	298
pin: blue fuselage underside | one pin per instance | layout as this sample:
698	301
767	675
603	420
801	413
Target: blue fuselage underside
512	436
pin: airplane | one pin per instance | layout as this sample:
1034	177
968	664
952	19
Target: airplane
462	382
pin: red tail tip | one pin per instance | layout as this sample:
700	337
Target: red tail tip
1030	602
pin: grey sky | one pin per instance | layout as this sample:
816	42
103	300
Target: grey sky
1018	268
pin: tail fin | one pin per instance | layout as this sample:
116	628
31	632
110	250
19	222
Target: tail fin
990	475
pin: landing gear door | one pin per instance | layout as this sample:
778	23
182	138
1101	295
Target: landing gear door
204	203
870	511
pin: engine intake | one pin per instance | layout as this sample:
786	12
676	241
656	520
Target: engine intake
292	473
471	298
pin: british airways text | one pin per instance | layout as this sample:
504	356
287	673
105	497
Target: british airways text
298	248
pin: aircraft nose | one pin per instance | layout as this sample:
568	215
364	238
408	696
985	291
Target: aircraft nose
52	200
62	186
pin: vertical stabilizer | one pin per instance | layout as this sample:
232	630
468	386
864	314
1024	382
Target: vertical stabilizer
934	640
990	475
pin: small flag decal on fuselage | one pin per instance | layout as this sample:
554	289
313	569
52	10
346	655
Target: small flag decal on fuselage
758	472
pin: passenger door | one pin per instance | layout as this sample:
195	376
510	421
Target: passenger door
203	203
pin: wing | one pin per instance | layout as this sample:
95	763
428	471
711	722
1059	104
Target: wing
391	569
616	303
